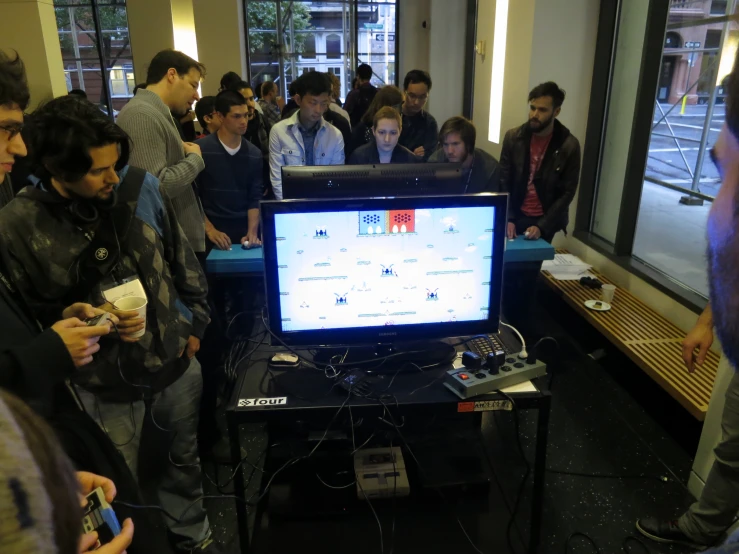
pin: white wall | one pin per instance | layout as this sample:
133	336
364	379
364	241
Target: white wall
414	39
219	27
576	73
546	40
516	73
447	35
151	30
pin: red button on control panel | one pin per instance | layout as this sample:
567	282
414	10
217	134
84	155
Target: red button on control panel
464	376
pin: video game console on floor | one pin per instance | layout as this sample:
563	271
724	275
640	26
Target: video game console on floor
380	473
99	516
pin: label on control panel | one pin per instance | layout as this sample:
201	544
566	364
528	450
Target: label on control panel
484	406
262	402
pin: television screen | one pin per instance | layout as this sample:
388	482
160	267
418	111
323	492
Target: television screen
393	268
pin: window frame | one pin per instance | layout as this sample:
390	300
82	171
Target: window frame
621	251
106	83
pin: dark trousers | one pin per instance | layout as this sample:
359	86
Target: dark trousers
235	228
520	286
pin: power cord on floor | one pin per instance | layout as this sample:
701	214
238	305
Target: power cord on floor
576	535
627	550
624	545
660	478
537	352
519	494
423	473
253	465
377	519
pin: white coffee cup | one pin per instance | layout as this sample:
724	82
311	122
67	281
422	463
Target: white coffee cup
133	303
607	292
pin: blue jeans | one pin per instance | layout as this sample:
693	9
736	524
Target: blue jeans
175	409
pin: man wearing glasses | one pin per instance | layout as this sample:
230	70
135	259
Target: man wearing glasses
11	124
205	111
420	130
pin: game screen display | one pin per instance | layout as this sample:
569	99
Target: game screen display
353	269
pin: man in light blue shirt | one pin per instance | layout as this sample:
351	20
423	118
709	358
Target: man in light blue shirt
305	138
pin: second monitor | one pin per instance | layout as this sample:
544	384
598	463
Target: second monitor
378	180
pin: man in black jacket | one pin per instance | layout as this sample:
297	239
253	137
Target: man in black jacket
33	362
480	171
540	168
360	98
420	130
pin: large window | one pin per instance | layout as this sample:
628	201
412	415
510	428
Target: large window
96	50
286	37
655	180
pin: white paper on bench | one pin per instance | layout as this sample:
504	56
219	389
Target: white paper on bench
566	267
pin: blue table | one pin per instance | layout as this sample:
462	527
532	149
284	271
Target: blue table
238	261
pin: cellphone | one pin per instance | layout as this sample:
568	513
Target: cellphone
98	320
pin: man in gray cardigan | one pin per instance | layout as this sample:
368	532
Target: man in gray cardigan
171	87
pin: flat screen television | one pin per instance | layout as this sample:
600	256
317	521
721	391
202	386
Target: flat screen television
383	270
348	181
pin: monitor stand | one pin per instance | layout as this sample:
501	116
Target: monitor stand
374	358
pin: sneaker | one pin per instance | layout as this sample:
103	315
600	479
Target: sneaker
667	532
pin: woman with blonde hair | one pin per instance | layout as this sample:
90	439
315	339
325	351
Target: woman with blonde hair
386	127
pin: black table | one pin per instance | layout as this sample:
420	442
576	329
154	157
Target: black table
279	403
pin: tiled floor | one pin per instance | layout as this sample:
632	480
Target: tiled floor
607	418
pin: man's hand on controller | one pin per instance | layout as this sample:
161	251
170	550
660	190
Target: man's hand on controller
128	324
89	482
117	546
220	240
252	238
511	230
83	311
80	340
533	233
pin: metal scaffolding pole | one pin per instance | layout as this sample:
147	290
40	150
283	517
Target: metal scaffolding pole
76	46
709	113
291	26
279	47
677	143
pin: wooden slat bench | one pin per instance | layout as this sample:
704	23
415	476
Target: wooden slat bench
647	338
